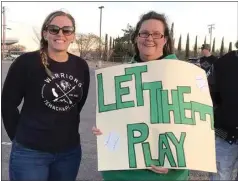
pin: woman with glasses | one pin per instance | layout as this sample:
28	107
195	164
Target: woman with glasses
151	41
54	85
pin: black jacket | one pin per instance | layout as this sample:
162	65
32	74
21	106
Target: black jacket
207	62
223	81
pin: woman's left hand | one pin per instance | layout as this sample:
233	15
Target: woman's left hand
159	169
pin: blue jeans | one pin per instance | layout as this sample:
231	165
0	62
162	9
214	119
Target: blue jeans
227	160
27	164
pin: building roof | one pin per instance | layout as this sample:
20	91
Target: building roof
10	41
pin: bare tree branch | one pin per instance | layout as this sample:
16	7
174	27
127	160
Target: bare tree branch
86	43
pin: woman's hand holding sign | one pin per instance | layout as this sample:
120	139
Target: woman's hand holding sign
96	131
159	169
153	168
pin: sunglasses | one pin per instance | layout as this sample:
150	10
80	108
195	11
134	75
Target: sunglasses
66	30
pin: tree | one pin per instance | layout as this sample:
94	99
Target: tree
119	50
205	40
230	47
172	30
122	45
195	47
110	43
86	43
222	47
180	44
17	47
127	33
178	51
106	48
217	52
187	48
172	34
174	43
113	43
213	46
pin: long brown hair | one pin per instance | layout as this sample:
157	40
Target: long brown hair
44	43
168	47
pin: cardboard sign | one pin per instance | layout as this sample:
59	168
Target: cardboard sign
158	113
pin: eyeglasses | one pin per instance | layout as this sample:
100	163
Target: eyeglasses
66	30
155	35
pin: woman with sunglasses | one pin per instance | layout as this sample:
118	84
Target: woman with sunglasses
54	85
152	41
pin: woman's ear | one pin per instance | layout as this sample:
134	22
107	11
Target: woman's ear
136	39
74	38
165	40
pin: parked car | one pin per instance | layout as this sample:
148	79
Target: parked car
195	61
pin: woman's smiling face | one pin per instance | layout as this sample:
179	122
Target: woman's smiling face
150	40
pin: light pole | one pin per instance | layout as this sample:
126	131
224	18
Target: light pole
3	31
210	27
100	33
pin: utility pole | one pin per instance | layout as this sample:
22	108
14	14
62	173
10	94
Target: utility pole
3	31
210	27
100	34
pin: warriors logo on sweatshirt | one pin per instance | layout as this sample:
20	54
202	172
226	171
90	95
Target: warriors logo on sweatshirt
62	92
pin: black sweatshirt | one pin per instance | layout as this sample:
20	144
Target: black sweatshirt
223	82
49	118
206	62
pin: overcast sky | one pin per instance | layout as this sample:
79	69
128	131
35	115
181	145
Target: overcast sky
188	17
